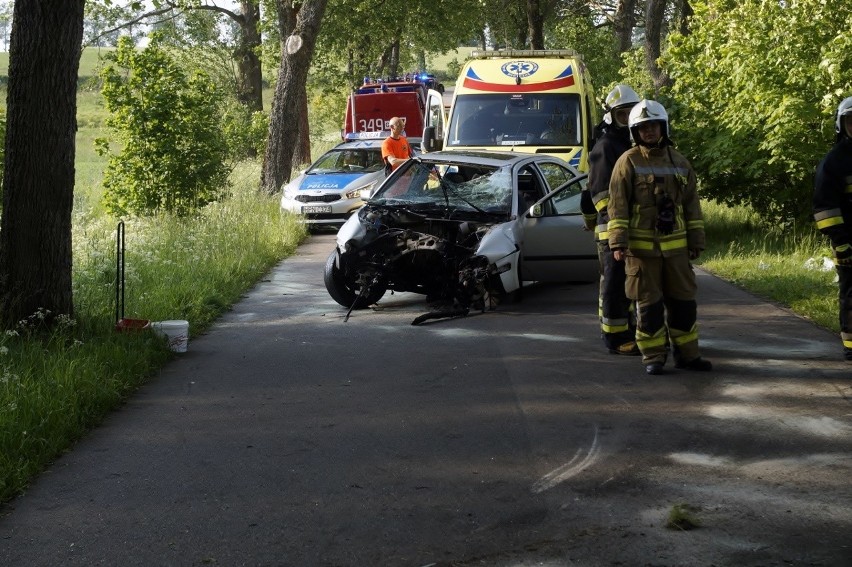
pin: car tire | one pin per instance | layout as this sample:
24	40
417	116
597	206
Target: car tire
345	293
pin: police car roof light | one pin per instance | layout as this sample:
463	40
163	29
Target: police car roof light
356	136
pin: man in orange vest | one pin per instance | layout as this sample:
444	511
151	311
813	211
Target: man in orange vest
395	148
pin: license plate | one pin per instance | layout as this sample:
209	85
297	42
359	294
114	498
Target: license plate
316	209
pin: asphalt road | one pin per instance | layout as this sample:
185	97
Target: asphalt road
286	436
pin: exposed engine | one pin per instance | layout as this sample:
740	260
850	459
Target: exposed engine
405	250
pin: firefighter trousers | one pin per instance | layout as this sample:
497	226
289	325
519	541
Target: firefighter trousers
615	310
664	290
844	278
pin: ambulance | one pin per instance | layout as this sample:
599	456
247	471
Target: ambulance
531	101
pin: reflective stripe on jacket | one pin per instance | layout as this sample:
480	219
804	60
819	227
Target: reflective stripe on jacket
639	180
832	201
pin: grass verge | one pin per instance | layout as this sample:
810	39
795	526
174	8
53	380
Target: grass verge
790	266
53	389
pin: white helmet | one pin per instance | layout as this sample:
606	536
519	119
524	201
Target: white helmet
647	111
844	109
621	95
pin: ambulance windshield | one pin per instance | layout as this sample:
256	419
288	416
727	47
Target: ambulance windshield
515	119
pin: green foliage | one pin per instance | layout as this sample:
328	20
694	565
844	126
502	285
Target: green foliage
326	109
244	130
353	39
174	157
454	68
635	73
597	45
757	82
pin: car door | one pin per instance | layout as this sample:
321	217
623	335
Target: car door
555	244
434	121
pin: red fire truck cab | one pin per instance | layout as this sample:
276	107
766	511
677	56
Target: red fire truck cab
371	106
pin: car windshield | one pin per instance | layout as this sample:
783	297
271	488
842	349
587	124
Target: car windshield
515	120
360	160
448	186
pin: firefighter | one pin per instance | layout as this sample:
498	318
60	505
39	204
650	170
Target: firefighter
833	212
615	310
656	227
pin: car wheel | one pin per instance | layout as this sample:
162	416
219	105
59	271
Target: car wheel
345	290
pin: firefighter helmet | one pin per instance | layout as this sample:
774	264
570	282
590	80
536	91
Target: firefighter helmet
648	111
844	109
619	97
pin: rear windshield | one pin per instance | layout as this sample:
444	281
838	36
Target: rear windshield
515	119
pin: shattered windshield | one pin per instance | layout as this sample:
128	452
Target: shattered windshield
361	160
455	187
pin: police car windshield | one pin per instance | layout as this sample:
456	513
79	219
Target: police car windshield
515	119
359	160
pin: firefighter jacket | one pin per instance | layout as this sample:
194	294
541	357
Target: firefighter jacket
602	158
833	197
643	181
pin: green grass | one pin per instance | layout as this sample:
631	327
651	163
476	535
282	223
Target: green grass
780	264
89	62
683	517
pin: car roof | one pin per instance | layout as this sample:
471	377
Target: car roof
489	157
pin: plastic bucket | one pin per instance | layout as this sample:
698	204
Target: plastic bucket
176	331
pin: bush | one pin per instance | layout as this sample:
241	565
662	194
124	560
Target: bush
757	82
174	154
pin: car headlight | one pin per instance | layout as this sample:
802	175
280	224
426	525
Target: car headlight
291	190
362	192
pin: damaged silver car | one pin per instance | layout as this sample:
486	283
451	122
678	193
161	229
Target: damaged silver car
466	229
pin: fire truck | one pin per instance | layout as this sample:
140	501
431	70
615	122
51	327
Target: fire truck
370	107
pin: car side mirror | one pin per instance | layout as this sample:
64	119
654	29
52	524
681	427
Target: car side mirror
536	211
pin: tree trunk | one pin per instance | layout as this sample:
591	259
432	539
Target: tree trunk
297	50
623	24
302	152
250	87
653	39
393	57
535	24
686	12
38	181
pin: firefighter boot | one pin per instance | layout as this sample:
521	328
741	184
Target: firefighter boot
694	364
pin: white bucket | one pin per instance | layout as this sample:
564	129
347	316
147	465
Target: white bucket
176	331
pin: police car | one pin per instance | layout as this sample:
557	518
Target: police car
334	186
